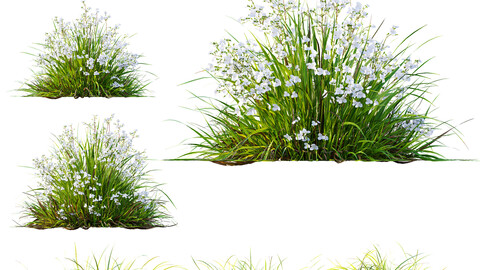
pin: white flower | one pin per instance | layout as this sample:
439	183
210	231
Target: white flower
90	63
322	72
359	94
337	34
368	101
251	111
275	107
301	136
322	137
366	70
296	120
358	7
313	147
277	83
326	56
96	73
357	104
339	91
312	65
295	79
294	95
286	94
341	100
116	85
287	137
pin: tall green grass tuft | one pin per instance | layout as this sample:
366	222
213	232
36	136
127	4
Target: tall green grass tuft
317	83
98	180
375	261
86	58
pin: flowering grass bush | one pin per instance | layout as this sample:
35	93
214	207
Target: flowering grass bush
86	58
317	83
95	181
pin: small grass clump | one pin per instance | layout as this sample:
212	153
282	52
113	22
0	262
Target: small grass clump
95	181
373	260
110	263
86	58
317	83
234	263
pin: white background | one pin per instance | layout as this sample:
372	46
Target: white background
296	210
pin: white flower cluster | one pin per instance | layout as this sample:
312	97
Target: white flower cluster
248	75
96	47
303	136
78	165
416	124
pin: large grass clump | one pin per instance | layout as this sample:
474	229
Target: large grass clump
317	82
98	180
86	58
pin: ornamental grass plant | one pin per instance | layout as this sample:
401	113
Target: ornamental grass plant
317	81
86	58
98	180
